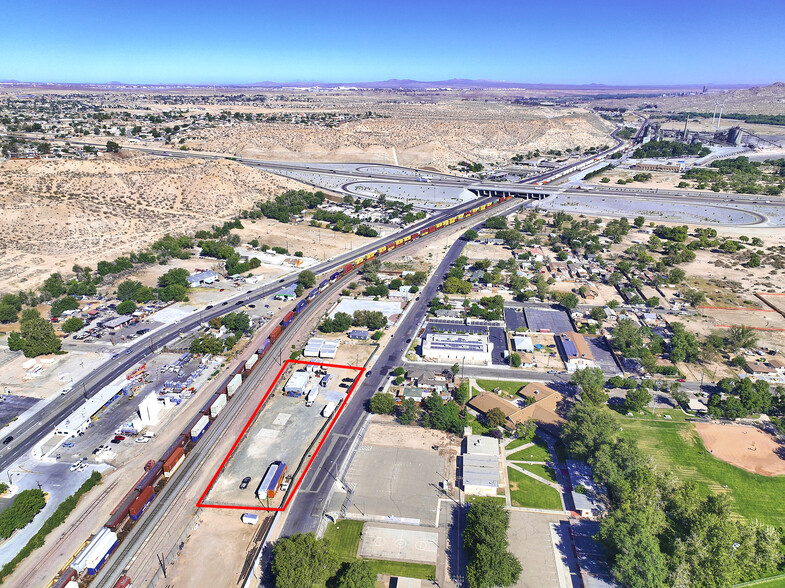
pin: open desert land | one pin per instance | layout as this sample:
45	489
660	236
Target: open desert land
417	135
57	213
756	100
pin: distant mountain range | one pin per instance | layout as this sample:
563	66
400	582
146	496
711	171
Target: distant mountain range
403	84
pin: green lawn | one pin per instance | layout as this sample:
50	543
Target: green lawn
540	470
509	387
528	492
404	569
537	452
659	414
775	582
478	428
344	537
677	447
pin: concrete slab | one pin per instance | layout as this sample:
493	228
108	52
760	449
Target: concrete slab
399	544
531	542
396	482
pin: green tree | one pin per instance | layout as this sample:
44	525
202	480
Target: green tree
127	307
694	297
174	277
598	314
60	305
36	335
485	541
453	285
127	290
208	344
495	418
455	369
591	381
741	337
462	393
526	430
470	235
639	221
112	147
569	301
588	429
408	412
22	511
72	324
357	574
301	560
515	360
637	399
382	403
8	314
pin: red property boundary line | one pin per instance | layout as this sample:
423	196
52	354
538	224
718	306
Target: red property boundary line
201	502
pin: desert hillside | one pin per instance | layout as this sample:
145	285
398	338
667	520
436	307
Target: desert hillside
414	134
57	213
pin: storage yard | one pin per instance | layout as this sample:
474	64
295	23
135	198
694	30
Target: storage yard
294	414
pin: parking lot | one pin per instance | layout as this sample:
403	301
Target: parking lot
515	319
12	406
543	318
498	336
603	357
283	430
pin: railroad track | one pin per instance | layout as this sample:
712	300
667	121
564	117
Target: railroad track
152	526
135	553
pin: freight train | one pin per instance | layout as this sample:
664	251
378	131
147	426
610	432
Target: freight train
133	506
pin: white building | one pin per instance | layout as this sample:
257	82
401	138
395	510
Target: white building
449	348
480	465
524	344
150	409
297	383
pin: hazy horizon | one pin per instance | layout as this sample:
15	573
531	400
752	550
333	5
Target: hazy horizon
615	44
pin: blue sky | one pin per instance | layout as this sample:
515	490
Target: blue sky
568	41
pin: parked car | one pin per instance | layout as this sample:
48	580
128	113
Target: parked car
245	482
7	440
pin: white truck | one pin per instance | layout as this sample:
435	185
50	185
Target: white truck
312	394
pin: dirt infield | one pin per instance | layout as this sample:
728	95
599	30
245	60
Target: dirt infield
745	447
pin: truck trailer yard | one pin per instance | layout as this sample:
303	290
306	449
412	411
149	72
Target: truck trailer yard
286	428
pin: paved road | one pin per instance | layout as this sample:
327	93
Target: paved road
307	507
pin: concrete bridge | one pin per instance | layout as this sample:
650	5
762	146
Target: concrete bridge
528	192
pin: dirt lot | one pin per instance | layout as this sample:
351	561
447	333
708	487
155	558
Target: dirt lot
745	447
209	551
312	241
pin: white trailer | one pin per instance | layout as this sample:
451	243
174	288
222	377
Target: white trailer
217	406
251	362
328	410
233	385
